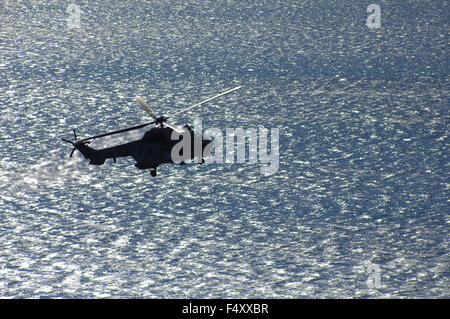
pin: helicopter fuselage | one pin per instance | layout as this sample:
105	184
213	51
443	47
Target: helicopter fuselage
152	150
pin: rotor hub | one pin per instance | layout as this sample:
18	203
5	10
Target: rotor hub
160	119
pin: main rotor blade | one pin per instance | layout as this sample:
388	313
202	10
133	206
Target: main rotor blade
117	132
146	107
176	128
207	100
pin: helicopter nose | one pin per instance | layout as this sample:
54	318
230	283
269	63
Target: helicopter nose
206	142
207	146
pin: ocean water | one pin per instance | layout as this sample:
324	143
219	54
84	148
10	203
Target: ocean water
359	207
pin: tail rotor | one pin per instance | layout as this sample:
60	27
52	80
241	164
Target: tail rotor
73	143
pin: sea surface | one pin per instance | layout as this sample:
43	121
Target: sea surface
358	208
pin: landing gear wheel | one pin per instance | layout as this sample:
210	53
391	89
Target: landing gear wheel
153	172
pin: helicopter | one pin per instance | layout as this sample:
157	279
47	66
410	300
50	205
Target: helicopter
156	145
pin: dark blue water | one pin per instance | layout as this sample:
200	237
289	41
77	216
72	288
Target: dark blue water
363	178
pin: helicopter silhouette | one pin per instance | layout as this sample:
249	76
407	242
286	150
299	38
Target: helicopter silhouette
155	147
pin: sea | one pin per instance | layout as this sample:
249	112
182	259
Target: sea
358	206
